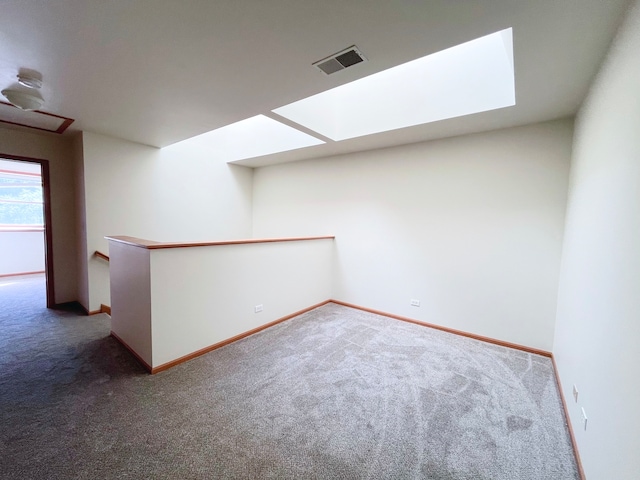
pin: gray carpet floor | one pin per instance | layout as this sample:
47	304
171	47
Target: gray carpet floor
333	393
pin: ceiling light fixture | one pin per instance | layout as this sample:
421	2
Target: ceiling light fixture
23	100
26	99
29	80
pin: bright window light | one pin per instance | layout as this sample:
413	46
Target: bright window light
473	77
253	137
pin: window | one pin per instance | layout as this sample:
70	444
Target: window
21	204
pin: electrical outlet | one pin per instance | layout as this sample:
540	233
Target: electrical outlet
415	303
575	393
257	308
584	418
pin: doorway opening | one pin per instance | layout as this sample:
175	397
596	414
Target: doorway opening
25	220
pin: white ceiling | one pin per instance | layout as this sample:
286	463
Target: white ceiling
160	71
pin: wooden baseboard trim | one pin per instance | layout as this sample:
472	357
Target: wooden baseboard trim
502	343
197	353
103	309
240	336
133	352
536	351
3	275
185	358
568	418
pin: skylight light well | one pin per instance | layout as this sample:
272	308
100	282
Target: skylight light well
253	137
473	77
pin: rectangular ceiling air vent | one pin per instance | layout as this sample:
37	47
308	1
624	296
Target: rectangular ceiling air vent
341	60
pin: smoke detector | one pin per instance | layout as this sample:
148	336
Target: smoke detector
339	61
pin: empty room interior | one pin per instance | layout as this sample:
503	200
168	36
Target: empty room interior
304	239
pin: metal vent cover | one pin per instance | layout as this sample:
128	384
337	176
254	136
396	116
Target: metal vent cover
341	60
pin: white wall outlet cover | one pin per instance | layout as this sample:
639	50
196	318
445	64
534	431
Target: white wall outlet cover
257	308
415	303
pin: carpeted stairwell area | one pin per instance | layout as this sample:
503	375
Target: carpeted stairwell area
333	393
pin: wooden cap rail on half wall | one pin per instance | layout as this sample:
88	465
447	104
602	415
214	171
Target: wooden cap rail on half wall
153	245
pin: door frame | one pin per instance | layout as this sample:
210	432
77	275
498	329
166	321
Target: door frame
48	236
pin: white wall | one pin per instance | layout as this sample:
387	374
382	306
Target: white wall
130	272
221	285
179	193
598	323
82	257
57	150
168	303
22	252
470	226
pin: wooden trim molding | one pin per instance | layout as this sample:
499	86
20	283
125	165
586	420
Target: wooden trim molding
3	275
197	353
495	342
48	232
133	352
568	419
153	245
48	229
482	338
185	358
103	309
66	121
101	255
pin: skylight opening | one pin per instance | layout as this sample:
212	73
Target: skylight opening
253	137
473	77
